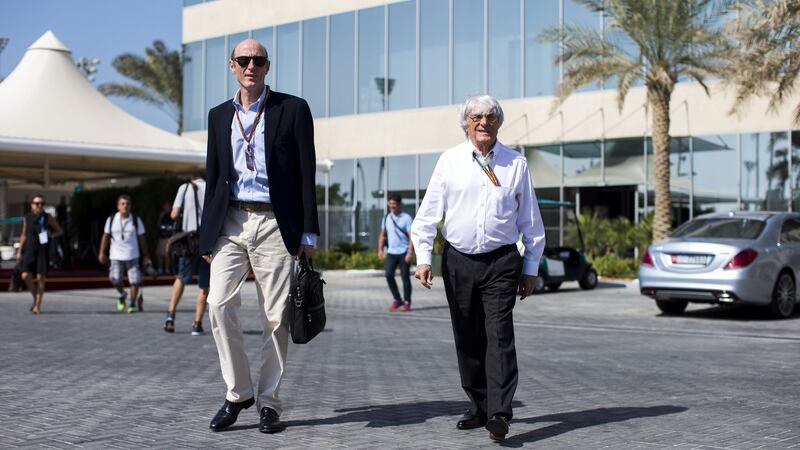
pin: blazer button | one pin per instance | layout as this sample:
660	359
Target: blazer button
226	181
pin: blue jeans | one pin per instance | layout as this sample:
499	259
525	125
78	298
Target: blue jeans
390	264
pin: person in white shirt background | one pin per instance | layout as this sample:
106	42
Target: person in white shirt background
125	232
484	191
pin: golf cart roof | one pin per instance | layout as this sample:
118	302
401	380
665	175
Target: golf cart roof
545	202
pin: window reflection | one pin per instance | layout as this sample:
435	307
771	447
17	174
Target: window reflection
371	60
287	58
370	199
402	181
314	65
266	38
233	83
467	49
402	83
580	15
765	175
504	49
342	73
216	88
541	72
434	58
340	201
192	87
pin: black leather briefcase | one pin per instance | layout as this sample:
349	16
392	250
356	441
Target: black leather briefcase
307	303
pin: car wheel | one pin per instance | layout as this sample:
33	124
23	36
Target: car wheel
589	279
672	307
539	286
553	286
783	296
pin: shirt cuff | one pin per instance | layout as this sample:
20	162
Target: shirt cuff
424	258
530	267
309	239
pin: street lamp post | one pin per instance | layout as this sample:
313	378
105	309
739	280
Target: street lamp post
87	66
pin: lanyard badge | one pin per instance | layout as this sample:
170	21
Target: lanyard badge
249	152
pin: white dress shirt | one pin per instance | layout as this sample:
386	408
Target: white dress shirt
478	216
253	185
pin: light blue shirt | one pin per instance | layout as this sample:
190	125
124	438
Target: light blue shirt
397	239
249	185
253	185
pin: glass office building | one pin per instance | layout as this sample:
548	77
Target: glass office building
403	58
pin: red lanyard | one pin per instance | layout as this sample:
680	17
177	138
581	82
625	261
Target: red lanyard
249	152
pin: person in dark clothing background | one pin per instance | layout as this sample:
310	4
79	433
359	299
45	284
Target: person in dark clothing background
38	229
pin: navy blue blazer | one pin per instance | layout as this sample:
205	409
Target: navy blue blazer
291	170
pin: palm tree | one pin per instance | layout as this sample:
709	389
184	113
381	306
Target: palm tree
769	59
651	41
159	79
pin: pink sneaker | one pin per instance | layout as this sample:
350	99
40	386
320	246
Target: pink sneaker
406	307
395	304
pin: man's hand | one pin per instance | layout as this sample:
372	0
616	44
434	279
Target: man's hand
102	258
408	258
207	258
425	275
305	250
380	254
526	286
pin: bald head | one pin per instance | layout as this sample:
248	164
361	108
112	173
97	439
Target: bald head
249	47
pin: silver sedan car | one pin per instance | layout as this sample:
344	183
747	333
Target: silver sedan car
738	257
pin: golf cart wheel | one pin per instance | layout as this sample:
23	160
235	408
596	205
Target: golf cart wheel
783	296
539	286
672	307
553	286
589	279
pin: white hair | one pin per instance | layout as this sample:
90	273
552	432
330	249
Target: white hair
479	104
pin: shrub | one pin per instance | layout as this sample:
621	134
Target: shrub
611	265
346	256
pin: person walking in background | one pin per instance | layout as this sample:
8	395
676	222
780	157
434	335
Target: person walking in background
484	191
125	231
189	202
260	213
166	228
38	229
394	234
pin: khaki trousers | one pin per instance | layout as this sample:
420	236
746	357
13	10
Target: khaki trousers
251	241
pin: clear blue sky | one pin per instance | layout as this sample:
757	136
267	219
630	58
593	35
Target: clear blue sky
96	29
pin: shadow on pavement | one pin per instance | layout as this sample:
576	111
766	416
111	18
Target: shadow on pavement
379	416
583	419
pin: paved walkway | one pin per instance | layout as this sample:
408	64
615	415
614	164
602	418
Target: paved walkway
597	369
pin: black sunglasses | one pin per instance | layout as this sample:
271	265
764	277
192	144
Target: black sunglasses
244	61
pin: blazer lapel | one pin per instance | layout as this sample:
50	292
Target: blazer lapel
273	112
224	130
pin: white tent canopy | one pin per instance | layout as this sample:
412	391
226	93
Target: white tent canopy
55	123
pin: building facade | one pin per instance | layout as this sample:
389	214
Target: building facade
384	78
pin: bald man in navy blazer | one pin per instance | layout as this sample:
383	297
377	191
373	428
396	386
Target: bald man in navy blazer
260	214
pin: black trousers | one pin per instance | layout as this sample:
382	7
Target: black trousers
481	291
390	265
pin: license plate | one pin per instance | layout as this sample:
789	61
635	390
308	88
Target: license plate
697	260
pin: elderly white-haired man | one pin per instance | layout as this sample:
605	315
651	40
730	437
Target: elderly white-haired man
483	190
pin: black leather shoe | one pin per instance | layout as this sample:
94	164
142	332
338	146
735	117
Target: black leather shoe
270	422
498	427
469	421
227	415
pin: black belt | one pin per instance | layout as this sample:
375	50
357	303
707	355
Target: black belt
251	206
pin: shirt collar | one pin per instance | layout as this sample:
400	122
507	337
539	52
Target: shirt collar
255	106
489	156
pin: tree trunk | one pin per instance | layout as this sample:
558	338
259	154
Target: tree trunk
659	98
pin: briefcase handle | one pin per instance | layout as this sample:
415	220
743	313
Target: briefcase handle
306	264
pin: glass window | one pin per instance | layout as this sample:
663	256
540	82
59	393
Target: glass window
582	164
402	180
287	59
505	70
715	188
370	202
545	165
765	183
265	37
733	228
402	84
314	65
371	60
624	161
434	36
577	14
679	178
467	49
427	163
215	72
192	87
341	218
233	83
343	64
541	72
790	231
